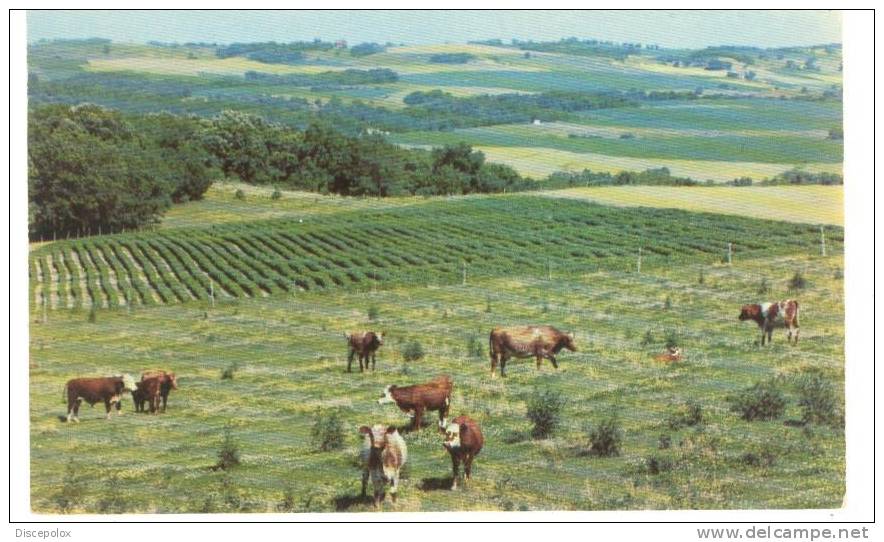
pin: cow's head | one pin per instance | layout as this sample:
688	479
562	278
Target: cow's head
172	380
387	397
380	337
452	436
749	312
377	435
128	382
568	341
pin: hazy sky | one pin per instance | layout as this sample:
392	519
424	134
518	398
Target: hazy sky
690	29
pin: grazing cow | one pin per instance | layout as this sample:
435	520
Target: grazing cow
168	382
364	344
464	441
147	391
525	342
432	395
108	389
770	315
383	454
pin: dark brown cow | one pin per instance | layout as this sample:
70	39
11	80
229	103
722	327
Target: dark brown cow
432	395
464	441
168	382
365	344
107	389
527	341
770	315
147	391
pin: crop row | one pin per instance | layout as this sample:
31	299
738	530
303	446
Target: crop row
422	244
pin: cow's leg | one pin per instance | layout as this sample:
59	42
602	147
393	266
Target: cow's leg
443	413
77	404
455	465
418	416
552	358
503	360
364	481
107	409
373	360
493	363
120	406
797	329
362	360
165	398
350	360
468	466
394	487
769	335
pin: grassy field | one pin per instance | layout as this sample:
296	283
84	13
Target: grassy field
807	204
289	360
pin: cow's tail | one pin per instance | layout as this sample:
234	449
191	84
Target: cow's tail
491	344
64	394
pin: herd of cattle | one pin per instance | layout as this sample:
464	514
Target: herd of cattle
384	450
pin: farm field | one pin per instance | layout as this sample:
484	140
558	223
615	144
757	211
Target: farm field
732	128
806	204
288	357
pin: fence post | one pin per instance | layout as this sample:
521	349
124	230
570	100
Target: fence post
822	240
730	253
463	265
639	264
548	269
211	290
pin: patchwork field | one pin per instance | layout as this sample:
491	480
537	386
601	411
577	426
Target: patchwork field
806	204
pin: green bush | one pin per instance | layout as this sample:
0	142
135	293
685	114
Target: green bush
413	351
763	401
762	458
229	371
544	410
797	282
689	414
605	438
816	397
763	287
373	313
475	347
671	338
657	465
276	194
328	431
239	194
228	455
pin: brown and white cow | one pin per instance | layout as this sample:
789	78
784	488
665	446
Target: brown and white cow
364	344
770	315
382	455
168	382
107	389
464	441
418	398
538	342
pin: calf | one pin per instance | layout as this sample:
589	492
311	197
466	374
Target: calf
168	382
418	398
108	389
538	342
364	344
770	315
673	353
464	441
147	390
382	455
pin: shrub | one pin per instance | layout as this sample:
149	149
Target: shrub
668	303
701	279
228	455
93	315
373	313
328	431
764	287
112	500
763	458
671	338
816	397
664	442
797	282
239	194
276	194
413	351
229	371
763	401
474	347
287	504
656	465
487	303
648	338
544	410
839	274
72	489
688	414
605	438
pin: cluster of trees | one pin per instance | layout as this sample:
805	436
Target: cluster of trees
365	49
348	77
574	46
797	176
507	108
655	176
272	52
451	58
91	170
